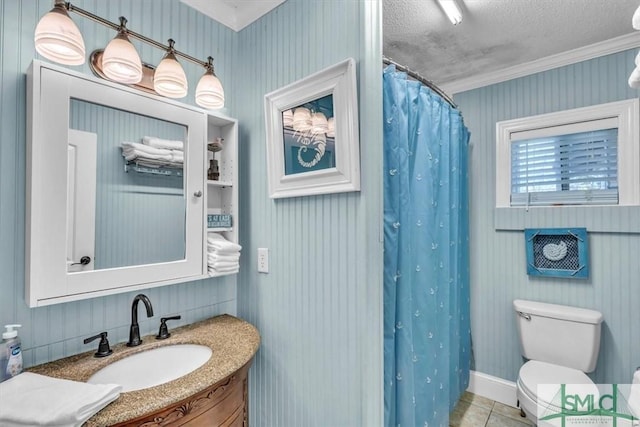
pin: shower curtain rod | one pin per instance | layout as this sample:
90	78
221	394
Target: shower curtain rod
431	85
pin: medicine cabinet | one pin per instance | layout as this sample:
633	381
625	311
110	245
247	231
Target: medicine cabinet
99	223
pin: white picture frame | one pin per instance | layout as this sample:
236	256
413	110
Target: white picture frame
304	161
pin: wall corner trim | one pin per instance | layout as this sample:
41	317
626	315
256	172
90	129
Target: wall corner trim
606	47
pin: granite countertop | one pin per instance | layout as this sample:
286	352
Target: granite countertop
233	341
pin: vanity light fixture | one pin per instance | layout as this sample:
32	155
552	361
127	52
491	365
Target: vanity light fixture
209	92
452	10
169	79
58	39
120	60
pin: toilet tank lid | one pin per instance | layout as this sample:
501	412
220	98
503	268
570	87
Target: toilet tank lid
556	311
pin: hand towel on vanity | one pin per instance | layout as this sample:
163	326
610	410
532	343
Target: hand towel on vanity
36	400
163	143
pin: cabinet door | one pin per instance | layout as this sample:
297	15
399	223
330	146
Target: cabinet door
148	228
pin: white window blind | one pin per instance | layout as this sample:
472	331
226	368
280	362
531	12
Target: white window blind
550	166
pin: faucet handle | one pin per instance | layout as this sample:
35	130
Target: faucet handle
103	346
163	333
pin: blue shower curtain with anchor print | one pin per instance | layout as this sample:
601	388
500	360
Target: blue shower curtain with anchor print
427	338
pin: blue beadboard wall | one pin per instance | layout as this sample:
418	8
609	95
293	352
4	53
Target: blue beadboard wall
57	331
498	271
319	309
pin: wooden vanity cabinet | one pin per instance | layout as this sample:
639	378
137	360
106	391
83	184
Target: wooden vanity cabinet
224	404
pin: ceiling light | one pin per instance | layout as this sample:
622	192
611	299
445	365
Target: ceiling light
452	10
120	60
57	37
169	79
209	92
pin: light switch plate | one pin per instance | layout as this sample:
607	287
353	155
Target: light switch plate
263	260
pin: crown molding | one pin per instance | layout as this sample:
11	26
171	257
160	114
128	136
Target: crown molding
607	47
234	14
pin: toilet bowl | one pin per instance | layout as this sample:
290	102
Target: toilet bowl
534	398
561	343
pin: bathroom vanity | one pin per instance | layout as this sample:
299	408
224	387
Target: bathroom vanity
98	223
213	395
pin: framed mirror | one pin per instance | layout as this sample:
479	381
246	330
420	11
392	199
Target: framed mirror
107	212
312	134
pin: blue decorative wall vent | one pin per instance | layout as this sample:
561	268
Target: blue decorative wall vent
557	252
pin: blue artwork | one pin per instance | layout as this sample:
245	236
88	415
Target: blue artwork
557	252
309	137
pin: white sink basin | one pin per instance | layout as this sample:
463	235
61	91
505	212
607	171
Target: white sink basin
153	367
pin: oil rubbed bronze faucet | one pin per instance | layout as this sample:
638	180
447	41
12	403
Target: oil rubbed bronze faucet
134	331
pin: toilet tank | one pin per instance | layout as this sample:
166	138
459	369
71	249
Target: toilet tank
558	334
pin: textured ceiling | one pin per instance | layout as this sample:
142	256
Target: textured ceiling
495	34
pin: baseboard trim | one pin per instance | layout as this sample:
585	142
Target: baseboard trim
493	388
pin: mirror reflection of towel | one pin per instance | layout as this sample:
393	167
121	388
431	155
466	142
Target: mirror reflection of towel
163	143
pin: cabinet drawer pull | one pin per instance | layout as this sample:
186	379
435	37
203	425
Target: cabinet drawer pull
198	193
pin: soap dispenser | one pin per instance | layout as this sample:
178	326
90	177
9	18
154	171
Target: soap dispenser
10	353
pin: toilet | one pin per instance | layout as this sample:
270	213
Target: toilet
560	344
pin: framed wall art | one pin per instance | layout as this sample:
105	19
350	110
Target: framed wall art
557	252
312	133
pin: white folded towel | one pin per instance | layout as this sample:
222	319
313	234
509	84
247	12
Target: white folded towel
223	264
221	245
214	257
163	143
223	270
36	400
131	146
177	156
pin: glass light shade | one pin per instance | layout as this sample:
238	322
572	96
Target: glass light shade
452	10
319	123
287	119
169	79
209	92
331	127
121	62
302	119
634	78
58	39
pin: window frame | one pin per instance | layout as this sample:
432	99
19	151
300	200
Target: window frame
627	114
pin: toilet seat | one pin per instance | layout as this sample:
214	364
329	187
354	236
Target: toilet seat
533	373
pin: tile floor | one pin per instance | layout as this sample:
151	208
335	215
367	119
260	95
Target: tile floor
478	411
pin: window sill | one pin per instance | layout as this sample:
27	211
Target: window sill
604	219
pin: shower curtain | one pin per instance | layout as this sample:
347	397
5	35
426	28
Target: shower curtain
427	339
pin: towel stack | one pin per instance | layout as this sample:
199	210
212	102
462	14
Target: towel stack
223	256
155	152
30	399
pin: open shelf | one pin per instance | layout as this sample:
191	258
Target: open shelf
219	183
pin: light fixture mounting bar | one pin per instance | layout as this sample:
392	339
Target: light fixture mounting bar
132	34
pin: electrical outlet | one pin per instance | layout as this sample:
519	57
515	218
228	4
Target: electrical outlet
263	260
